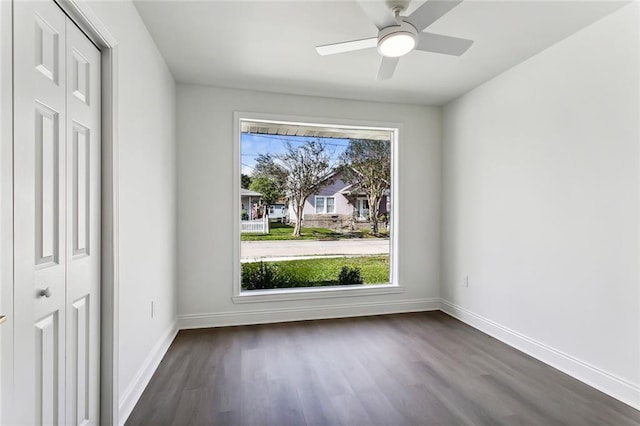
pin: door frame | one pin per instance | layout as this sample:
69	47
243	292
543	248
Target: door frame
79	11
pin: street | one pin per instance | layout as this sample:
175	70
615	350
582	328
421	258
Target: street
288	249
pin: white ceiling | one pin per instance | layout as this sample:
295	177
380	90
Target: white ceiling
269	45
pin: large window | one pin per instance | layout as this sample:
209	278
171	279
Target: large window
317	203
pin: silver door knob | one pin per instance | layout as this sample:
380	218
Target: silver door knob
46	292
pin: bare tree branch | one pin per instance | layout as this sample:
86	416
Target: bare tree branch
308	167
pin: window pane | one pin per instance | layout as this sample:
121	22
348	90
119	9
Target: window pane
331	205
313	173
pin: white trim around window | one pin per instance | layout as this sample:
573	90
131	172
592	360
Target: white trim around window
326	208
285	295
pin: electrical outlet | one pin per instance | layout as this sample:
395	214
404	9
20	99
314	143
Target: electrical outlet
152	309
466	281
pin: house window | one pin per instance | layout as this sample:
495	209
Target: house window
325	205
331	205
317	183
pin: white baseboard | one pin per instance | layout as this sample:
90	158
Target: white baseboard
616	387
130	397
224	319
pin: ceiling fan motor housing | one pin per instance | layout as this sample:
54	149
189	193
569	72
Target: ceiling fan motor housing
397	40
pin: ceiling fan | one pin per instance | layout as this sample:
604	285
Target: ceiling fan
399	35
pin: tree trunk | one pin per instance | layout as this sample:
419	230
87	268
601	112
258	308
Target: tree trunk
373	214
298	227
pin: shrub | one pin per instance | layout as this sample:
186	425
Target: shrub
260	276
349	276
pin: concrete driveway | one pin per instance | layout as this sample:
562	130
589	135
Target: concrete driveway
252	251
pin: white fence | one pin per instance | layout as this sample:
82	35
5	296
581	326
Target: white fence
258	226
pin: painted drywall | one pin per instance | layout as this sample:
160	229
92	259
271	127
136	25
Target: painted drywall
540	203
6	209
206	185
147	203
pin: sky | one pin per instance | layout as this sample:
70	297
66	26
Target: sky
253	144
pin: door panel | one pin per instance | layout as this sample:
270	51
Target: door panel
81	189
83	227
47	185
47	47
48	353
39	217
80	355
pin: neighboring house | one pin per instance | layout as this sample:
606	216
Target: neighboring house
339	206
251	204
278	211
249	201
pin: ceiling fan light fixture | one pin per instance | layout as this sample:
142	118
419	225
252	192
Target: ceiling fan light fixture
397	40
396	45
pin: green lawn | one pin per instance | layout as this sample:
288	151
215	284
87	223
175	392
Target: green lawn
281	231
316	272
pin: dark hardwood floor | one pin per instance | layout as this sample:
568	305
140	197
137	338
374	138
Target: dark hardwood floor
406	369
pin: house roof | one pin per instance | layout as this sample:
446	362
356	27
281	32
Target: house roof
249	193
352	190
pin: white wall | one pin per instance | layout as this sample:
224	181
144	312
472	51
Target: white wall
146	134
206	185
6	208
540	205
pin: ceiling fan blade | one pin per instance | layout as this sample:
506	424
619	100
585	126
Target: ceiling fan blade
378	12
387	67
437	43
430	12
347	46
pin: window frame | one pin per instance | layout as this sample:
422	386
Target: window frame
325	204
293	294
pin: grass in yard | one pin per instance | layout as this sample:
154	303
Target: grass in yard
282	231
313	272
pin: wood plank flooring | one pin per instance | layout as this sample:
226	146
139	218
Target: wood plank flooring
405	369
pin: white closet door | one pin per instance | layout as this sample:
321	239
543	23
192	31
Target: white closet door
56	223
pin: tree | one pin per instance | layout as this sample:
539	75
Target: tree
308	167
245	181
366	164
266	166
267	187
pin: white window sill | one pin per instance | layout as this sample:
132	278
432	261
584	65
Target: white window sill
278	295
